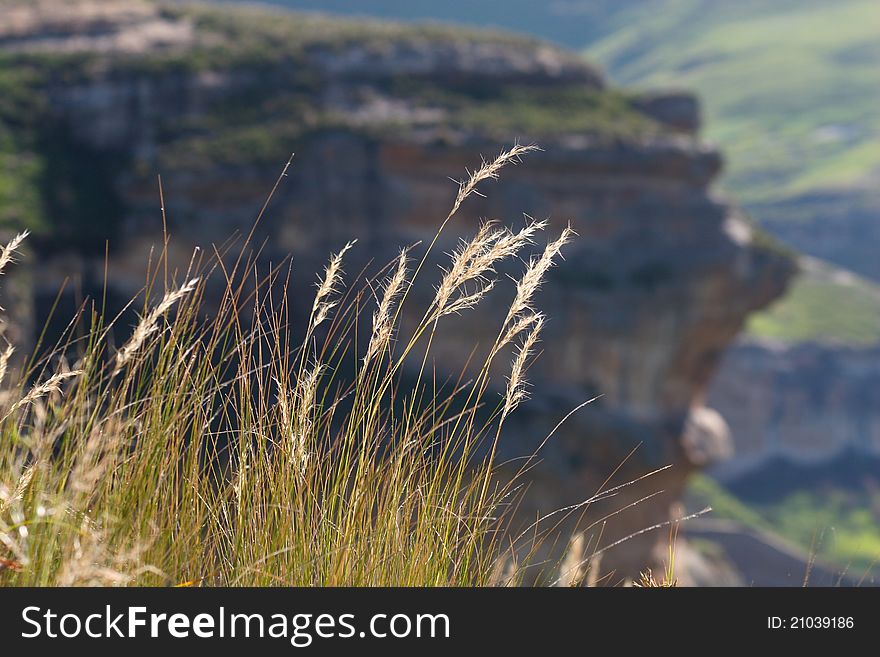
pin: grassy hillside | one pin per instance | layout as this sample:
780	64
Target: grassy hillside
791	92
791	88
824	304
838	526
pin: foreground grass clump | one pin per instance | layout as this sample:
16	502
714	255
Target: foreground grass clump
235	451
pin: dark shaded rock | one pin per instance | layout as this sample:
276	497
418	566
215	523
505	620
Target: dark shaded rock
680	111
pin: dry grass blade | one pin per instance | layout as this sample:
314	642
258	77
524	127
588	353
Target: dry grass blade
7	253
489	171
8	498
572	570
647	580
467	280
534	275
518	326
296	411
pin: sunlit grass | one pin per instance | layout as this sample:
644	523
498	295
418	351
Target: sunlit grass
234	450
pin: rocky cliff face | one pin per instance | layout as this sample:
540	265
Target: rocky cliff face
651	293
806	403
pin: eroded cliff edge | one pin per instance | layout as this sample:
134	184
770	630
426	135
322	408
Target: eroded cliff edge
656	286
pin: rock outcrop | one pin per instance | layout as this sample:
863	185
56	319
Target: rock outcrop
805	403
651	293
89	26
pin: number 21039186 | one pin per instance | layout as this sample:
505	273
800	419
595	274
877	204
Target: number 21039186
810	623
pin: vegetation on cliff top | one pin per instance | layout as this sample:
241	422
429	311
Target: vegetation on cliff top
556	111
790	87
247	127
253	36
279	102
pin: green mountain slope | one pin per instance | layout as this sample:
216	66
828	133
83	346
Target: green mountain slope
791	92
791	88
824	304
830	522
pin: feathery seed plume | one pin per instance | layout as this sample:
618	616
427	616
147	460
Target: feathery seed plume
8	252
489	170
383	327
52	384
466	281
4	361
296	410
534	275
148	325
327	285
517	386
7	497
